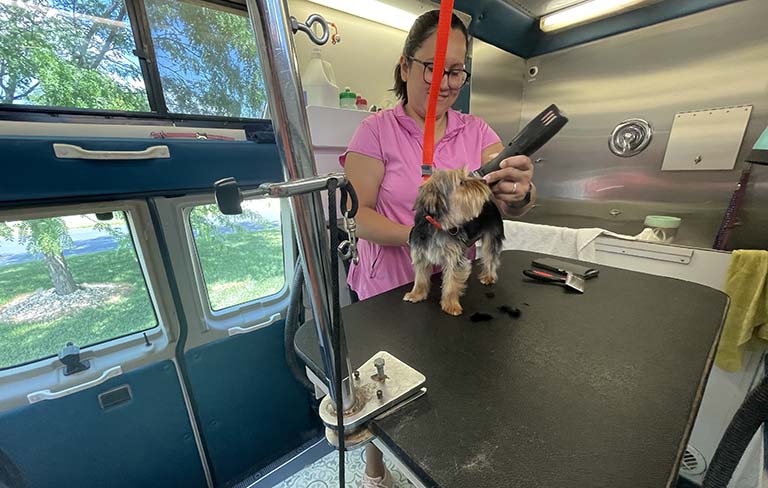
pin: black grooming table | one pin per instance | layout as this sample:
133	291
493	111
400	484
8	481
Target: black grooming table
592	390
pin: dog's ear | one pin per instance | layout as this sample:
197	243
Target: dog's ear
432	201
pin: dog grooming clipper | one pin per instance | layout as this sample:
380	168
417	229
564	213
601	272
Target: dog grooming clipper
534	135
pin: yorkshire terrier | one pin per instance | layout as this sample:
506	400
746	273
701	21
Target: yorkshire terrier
453	211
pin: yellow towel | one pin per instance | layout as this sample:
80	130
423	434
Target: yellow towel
747	322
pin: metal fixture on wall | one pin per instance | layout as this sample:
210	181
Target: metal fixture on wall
725	129
307	28
630	137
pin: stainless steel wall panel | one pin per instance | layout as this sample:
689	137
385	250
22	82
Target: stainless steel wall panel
497	88
711	59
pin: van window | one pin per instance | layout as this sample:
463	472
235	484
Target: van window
74	54
66	53
207	58
241	256
74	278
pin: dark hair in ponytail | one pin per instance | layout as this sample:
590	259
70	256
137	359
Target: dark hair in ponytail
422	28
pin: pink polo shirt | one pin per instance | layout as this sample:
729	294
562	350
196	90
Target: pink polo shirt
394	138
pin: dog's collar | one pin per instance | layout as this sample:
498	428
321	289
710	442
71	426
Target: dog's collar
439	226
434	222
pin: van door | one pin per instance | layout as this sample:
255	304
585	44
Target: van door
178	312
115	413
233	281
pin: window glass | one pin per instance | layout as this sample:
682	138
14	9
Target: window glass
241	256
207	58
68	279
69	53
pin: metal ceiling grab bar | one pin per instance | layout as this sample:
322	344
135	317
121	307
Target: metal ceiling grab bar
274	38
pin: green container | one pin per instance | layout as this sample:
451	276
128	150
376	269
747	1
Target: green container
662	222
664	227
348	99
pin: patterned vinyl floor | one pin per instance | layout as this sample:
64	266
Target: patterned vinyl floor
324	473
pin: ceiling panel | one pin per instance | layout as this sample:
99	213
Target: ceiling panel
419	7
537	8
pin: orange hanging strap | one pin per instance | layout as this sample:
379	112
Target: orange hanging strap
438	70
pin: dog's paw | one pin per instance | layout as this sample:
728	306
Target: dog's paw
451	307
488	279
415	297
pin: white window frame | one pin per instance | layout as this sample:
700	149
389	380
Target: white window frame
241	315
137	217
129	351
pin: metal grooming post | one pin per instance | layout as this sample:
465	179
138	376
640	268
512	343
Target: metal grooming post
274	38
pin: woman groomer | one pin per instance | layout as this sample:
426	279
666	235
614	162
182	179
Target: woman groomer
383	162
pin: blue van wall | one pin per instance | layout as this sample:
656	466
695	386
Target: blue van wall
72	442
251	409
193	166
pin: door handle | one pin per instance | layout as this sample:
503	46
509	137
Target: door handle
39	396
244	330
70	151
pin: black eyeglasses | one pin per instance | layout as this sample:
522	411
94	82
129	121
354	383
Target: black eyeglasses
457	78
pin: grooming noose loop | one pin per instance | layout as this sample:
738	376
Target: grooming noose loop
347	249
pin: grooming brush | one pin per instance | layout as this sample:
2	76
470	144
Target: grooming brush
568	280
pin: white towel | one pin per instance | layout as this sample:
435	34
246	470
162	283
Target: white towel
556	241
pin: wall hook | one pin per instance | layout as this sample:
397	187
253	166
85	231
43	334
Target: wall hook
307	28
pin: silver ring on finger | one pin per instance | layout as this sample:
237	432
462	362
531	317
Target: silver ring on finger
514	187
